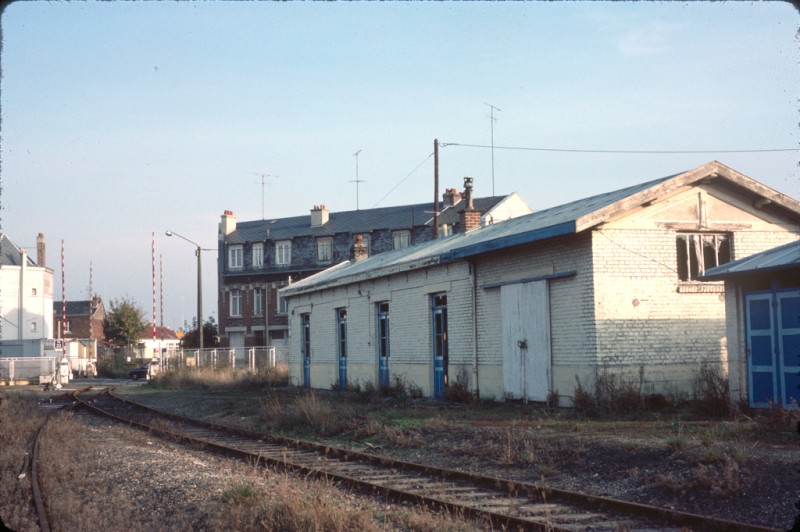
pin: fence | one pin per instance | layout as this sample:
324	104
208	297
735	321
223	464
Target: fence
251	359
26	369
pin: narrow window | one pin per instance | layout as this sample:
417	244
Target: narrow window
283	252
401	239
258	302
305	321
33	326
697	252
283	304
383	329
258	255
33	292
236	303
235	257
341	321
440	325
324	249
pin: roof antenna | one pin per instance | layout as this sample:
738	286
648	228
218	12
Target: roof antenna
356	180
263	184
492	119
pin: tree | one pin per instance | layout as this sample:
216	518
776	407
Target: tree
124	325
210	335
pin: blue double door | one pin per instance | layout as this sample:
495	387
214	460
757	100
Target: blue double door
773	346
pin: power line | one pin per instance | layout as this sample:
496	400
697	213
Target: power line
566	150
402	180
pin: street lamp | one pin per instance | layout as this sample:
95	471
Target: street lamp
199	286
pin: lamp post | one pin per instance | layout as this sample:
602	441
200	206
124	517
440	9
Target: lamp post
199	286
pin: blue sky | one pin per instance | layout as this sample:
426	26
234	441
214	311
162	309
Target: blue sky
124	119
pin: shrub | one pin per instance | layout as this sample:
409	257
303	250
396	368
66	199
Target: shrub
712	392
458	391
613	395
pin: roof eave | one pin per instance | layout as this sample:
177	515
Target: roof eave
565	228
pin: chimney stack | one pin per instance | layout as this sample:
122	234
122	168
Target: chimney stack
470	216
359	250
319	216
450	197
227	224
40	248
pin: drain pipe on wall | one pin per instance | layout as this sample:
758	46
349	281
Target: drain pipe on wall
474	295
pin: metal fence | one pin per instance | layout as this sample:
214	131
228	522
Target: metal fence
251	359
13	369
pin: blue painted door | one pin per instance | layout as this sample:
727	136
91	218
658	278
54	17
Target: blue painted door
383	345
306	348
341	322
439	312
773	343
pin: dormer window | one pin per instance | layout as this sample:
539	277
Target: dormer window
258	255
324	249
235	257
283	252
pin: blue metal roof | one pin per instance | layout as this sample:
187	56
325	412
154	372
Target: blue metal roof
556	221
570	218
785	257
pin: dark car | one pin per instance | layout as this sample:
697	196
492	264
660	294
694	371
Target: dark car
139	373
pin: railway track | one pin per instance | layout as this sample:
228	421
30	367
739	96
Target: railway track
502	503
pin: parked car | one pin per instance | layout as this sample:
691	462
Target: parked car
140	373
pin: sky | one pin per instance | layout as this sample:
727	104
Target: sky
122	120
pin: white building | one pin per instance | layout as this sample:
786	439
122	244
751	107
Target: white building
527	307
26	300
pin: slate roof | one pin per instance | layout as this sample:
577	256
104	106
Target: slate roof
74	308
785	257
360	221
10	253
569	218
451	215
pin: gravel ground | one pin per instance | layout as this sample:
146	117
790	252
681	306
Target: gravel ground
755	482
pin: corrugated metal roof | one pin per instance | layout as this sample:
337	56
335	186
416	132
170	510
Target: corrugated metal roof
781	258
528	228
570	218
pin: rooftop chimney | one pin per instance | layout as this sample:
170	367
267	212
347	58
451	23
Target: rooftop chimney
450	197
227	224
470	216
359	250
40	256
319	216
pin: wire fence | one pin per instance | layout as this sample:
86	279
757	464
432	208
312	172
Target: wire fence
253	359
19	369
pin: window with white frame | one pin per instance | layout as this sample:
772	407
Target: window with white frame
401	239
283	304
33	327
258	255
366	241
283	252
697	252
324	249
258	302
235	255
236	303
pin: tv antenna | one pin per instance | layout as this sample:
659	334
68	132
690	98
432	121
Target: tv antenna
492	121
357	180
263	184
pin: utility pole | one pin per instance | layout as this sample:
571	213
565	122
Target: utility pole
435	188
492	119
356	180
